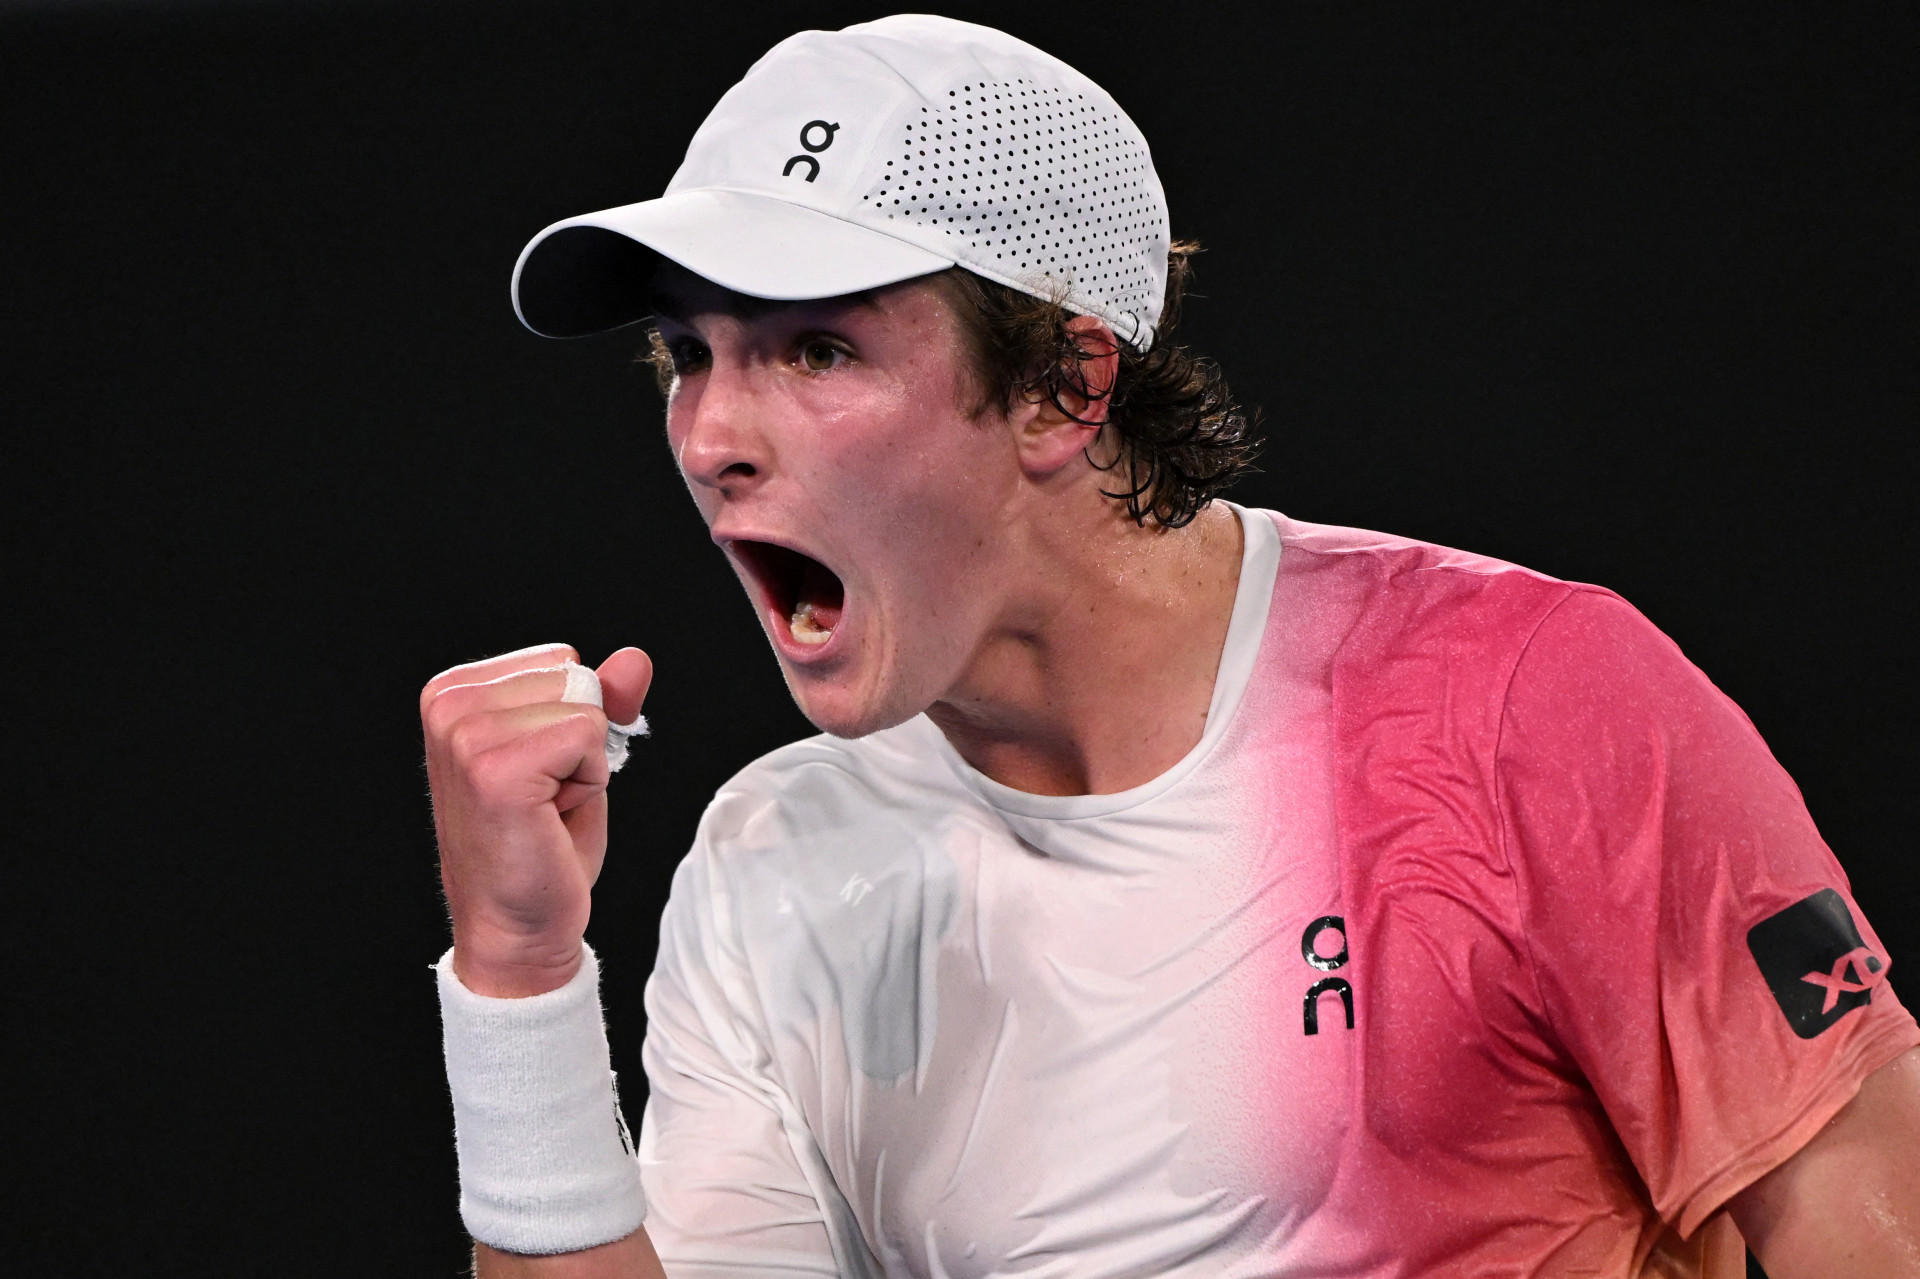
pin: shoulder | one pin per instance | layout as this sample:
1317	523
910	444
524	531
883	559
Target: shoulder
827	780
1413	579
1420	624
1599	686
813	812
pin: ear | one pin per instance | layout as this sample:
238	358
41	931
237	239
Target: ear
1050	434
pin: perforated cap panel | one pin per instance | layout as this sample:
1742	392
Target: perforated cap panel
1043	187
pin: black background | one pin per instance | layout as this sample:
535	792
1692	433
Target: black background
1623	294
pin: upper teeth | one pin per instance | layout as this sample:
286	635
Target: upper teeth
805	628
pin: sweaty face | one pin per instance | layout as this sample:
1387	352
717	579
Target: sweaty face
830	447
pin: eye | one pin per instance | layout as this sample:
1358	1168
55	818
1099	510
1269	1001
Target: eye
689	355
819	355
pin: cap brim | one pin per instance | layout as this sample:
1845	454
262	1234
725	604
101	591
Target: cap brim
591	273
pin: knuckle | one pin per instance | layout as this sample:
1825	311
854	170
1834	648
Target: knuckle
581	728
487	769
587	726
465	739
500	774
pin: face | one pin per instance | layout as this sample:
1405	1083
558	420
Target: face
832	450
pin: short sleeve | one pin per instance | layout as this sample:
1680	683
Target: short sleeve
1695	945
727	1191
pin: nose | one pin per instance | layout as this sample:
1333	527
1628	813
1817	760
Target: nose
720	446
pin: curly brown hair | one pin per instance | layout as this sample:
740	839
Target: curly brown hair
1180	438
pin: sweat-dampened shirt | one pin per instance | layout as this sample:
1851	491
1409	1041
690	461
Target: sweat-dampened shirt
1479	934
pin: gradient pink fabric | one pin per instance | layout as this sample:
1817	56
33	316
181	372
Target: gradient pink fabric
1555	835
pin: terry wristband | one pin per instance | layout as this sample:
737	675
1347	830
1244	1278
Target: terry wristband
584	686
546	1160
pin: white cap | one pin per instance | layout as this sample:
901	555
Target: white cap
847	160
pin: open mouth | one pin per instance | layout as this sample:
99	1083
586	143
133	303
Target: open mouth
802	592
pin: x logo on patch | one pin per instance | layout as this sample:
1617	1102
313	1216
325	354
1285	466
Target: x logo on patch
1857	970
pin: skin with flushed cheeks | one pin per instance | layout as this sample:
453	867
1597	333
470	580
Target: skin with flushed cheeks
987	581
836	429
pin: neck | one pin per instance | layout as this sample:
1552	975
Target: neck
1099	675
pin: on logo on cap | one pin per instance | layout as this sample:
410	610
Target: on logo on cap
809	132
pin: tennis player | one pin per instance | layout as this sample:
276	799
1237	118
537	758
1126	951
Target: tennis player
1175	889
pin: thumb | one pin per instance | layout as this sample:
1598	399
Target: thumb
624	680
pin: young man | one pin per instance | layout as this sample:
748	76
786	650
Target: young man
1177	889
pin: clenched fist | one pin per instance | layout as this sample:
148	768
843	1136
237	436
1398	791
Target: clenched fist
519	782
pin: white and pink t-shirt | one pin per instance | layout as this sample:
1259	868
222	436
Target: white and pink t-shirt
1480	934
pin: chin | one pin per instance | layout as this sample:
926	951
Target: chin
842	712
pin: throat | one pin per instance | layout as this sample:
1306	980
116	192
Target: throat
1115	689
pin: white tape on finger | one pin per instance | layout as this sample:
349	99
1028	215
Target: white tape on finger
583	686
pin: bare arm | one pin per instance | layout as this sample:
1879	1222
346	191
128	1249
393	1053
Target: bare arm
1848	1204
629	1258
519	782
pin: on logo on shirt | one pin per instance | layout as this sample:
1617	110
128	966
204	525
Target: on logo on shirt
1310	951
1813	960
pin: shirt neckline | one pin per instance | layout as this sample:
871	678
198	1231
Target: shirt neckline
1252	598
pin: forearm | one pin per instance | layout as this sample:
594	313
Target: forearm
629	1258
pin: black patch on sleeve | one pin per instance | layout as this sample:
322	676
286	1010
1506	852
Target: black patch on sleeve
1813	960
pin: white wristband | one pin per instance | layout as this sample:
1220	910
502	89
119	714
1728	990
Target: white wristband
546	1161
